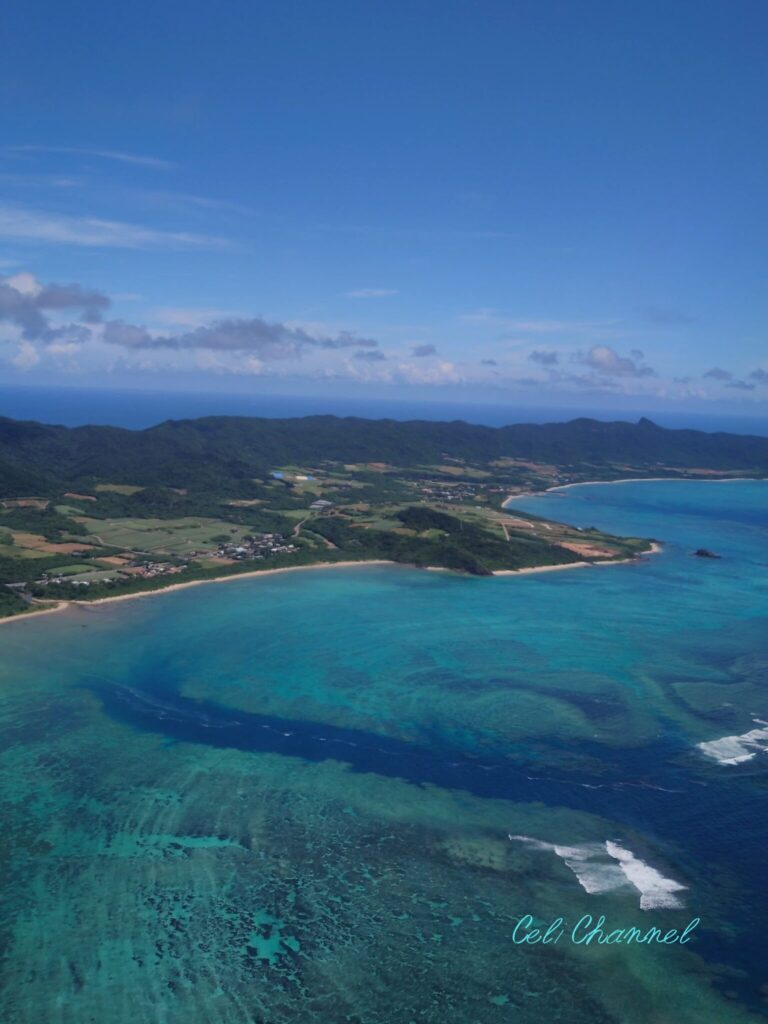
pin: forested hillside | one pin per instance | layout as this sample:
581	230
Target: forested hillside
205	454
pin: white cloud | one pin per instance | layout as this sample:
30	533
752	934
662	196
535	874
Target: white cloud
493	319
607	361
65	348
25	284
442	372
26	356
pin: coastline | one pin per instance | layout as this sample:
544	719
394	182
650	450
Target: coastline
64	605
654	549
631	480
23	616
237	576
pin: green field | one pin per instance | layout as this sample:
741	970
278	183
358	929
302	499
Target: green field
171	536
69	570
119	488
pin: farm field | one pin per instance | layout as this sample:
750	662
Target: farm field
166	536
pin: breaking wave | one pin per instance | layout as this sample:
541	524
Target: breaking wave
736	749
605	867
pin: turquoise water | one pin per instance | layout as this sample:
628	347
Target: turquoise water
290	798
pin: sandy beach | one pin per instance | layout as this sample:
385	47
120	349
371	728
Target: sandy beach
654	549
626	480
542	568
24	616
63	605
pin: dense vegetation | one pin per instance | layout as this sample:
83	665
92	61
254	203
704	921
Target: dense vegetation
206	454
445	541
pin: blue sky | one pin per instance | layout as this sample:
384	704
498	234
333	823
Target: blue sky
548	202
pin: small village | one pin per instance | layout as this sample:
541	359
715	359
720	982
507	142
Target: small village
257	547
253	547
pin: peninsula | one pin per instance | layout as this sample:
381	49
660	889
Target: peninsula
89	513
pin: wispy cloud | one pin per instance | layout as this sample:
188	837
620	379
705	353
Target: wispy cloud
494	319
371	293
717	373
137	159
40	181
37	226
422	351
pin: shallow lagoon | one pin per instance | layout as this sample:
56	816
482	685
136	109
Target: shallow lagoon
290	798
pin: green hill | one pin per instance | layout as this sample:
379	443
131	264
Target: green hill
211	453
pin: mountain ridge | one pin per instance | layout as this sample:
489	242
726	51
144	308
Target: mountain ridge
207	451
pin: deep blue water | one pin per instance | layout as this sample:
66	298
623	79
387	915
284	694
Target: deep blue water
138	409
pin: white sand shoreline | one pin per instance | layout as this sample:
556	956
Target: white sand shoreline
654	549
24	616
631	480
64	605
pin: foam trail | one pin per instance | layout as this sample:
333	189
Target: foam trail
656	891
736	749
594	873
605	867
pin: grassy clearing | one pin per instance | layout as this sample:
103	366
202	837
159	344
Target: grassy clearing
171	536
119	488
466	472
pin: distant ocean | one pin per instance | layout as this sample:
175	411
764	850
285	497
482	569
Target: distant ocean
330	796
74	407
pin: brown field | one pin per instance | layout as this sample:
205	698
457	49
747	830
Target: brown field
38	543
65	548
710	472
80	497
41	503
587	550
